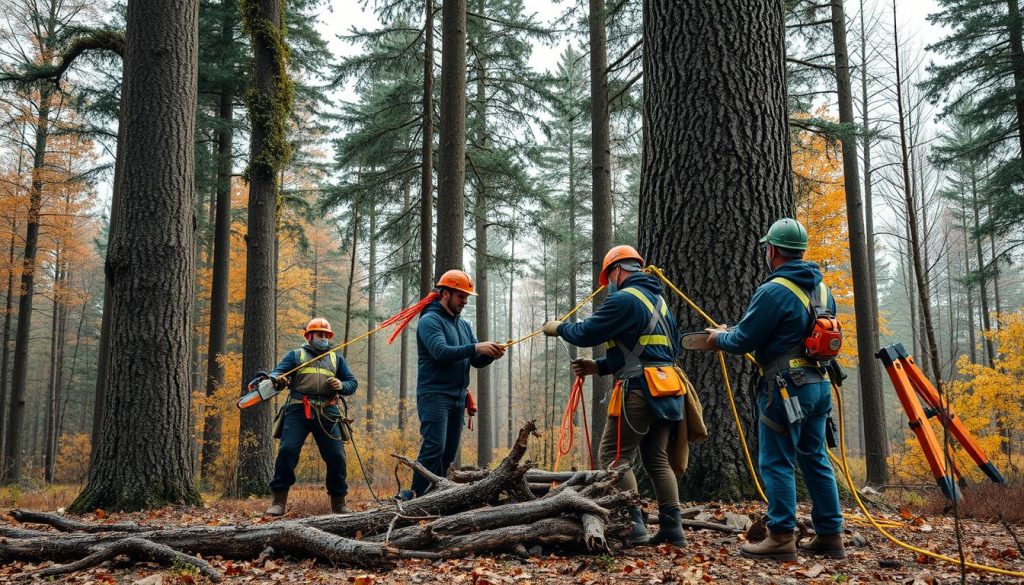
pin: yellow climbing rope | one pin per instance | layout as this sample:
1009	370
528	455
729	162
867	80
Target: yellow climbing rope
571	312
843	465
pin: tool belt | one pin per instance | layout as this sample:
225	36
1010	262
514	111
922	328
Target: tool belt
779	374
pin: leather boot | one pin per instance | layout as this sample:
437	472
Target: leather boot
639	534
824	545
277	507
780	546
338	505
670	528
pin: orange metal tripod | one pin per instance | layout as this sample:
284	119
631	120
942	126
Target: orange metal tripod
910	382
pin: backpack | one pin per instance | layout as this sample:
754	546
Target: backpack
825	335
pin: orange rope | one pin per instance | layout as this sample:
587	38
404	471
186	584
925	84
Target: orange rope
568	429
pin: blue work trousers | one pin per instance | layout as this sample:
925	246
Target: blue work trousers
804	444
326	433
440	432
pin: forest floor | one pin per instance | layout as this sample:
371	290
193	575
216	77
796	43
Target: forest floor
709	557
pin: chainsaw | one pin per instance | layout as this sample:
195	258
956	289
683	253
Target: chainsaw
260	389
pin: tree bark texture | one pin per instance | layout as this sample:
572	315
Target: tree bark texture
601	194
427	156
143	458
451	172
871	397
221	273
371	342
269	100
716	174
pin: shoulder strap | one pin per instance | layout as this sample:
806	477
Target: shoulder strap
632	364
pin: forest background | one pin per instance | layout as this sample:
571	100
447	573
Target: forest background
349	243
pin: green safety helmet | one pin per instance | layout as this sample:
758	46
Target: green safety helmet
786	233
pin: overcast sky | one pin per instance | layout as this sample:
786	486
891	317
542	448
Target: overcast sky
342	15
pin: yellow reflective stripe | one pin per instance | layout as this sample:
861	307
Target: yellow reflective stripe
643	299
794	289
314	368
609	344
654	340
823	294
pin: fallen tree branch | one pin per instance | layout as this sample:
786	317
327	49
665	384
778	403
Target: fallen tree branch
138	549
65	524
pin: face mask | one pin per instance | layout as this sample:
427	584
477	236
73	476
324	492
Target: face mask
613	286
321	344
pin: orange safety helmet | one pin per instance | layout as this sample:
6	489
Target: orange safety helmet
319	324
617	254
457	280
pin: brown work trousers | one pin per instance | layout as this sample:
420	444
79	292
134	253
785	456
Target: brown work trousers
640	428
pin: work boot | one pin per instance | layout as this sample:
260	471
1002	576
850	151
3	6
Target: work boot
670	528
277	507
639	534
824	545
338	505
780	546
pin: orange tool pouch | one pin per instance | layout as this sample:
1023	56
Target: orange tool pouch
664	381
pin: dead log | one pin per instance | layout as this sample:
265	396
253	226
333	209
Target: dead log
65	524
494	511
137	549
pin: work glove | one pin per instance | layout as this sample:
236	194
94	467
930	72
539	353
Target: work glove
334	384
583	367
713	333
280	382
551	328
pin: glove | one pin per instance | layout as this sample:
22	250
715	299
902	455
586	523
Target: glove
280	382
584	367
335	384
551	328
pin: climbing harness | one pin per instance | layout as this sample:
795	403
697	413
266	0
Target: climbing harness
841	463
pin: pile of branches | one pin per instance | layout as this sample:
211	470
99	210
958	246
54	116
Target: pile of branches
508	509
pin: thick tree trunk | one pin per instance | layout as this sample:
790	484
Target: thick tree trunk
716	174
13	454
871	397
451	173
427	156
269	102
601	193
150	267
221	273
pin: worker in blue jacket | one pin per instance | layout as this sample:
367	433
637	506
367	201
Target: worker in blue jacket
446	348
641	336
774	327
312	407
